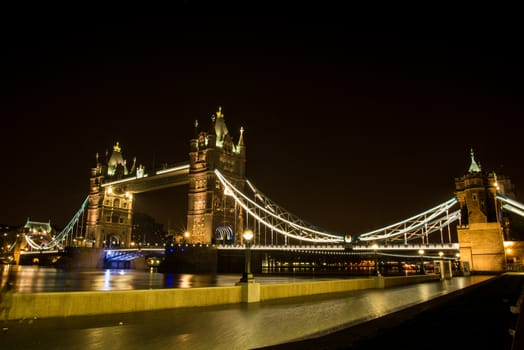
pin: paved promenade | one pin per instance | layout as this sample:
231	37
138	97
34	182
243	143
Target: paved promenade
239	326
477	317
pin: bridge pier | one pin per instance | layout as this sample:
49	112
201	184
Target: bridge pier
189	258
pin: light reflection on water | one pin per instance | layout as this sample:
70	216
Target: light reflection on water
31	279
37	279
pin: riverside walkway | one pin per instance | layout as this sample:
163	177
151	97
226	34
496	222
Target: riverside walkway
286	323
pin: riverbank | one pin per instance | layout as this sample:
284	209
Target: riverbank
249	325
65	304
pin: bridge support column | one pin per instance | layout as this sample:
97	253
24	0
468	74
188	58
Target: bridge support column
250	291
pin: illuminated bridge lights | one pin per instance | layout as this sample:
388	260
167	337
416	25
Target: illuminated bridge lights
271	216
267	215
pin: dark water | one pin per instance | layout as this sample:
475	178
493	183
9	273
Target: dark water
31	279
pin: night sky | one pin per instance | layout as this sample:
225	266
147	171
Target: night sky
352	122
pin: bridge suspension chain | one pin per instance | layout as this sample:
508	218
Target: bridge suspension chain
511	205
417	226
276	218
62	235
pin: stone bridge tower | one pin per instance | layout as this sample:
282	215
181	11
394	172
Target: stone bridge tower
213	216
110	208
480	234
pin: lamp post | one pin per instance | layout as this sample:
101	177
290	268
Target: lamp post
377	270
421	253
459	266
442	268
247	276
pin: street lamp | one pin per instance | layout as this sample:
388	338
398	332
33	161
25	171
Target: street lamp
421	253
377	270
442	268
247	276
459	267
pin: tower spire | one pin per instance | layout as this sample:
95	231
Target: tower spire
473	167
241	138
196	128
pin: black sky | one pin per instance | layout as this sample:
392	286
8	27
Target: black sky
352	120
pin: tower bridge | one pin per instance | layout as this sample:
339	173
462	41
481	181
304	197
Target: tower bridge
222	204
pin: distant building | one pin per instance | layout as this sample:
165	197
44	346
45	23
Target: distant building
146	231
38	232
8	235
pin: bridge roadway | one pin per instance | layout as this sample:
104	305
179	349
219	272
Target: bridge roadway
327	321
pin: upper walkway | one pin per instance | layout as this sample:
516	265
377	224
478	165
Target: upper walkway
233	326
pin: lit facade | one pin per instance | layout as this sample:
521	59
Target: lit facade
480	235
212	215
110	208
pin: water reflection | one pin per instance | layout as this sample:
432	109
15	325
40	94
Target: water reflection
31	279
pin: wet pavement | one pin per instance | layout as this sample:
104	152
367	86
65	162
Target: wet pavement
478	317
239	326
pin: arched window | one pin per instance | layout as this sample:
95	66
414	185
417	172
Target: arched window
224	234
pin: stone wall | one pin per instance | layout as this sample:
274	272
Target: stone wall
65	304
482	246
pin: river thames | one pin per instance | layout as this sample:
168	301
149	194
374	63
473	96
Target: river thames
34	279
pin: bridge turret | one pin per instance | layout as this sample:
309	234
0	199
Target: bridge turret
116	166
241	146
208	207
110	208
481	237
211	135
95	198
476	192
193	143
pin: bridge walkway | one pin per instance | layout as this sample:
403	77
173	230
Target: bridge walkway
284	323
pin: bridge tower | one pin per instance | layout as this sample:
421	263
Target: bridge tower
480	235
110	208
213	215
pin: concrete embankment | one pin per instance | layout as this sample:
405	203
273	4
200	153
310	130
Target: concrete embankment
64	304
